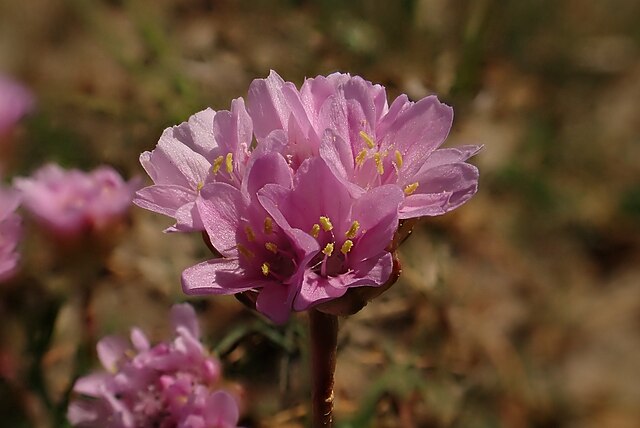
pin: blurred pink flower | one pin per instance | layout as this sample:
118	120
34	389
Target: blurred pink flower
15	102
171	384
346	120
10	233
70	202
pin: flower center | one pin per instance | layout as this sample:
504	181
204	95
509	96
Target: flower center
331	261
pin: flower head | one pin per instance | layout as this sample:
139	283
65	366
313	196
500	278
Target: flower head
69	202
10	232
171	384
15	102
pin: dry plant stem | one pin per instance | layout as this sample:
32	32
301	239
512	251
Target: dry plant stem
324	341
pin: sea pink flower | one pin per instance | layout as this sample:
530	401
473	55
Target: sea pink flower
351	232
70	202
10	233
15	102
171	384
257	253
346	120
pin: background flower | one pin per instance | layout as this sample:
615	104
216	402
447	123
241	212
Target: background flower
170	384
70	202
15	102
10	232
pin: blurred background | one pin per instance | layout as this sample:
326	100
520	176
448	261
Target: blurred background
519	309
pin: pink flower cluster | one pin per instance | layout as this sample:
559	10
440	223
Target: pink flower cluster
301	190
10	233
170	385
71	202
15	102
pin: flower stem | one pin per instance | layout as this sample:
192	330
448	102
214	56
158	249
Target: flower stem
324	341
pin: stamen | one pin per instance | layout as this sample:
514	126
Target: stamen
265	269
411	188
200	186
378	159
351	233
328	249
268	225
325	222
271	247
361	157
399	160
367	139
229	162
249	232
315	230
217	163
245	251
346	247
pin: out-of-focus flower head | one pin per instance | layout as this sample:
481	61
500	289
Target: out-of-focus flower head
71	202
171	384
10	232
15	102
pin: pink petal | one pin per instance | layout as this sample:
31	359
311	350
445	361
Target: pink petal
163	198
418	131
218	276
441	189
183	315
267	105
111	349
221	410
377	213
220	207
274	301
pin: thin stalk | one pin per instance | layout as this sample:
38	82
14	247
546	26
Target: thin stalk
324	342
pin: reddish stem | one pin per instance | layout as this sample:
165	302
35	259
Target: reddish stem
324	342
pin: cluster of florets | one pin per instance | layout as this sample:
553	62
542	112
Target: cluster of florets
172	384
10	232
301	190
73	202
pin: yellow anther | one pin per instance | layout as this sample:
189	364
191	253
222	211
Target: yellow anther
271	247
346	247
245	251
325	223
268	225
367	139
351	233
361	157
265	269
399	160
217	163
250	235
229	162
315	230
200	186
411	188
378	159
328	249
